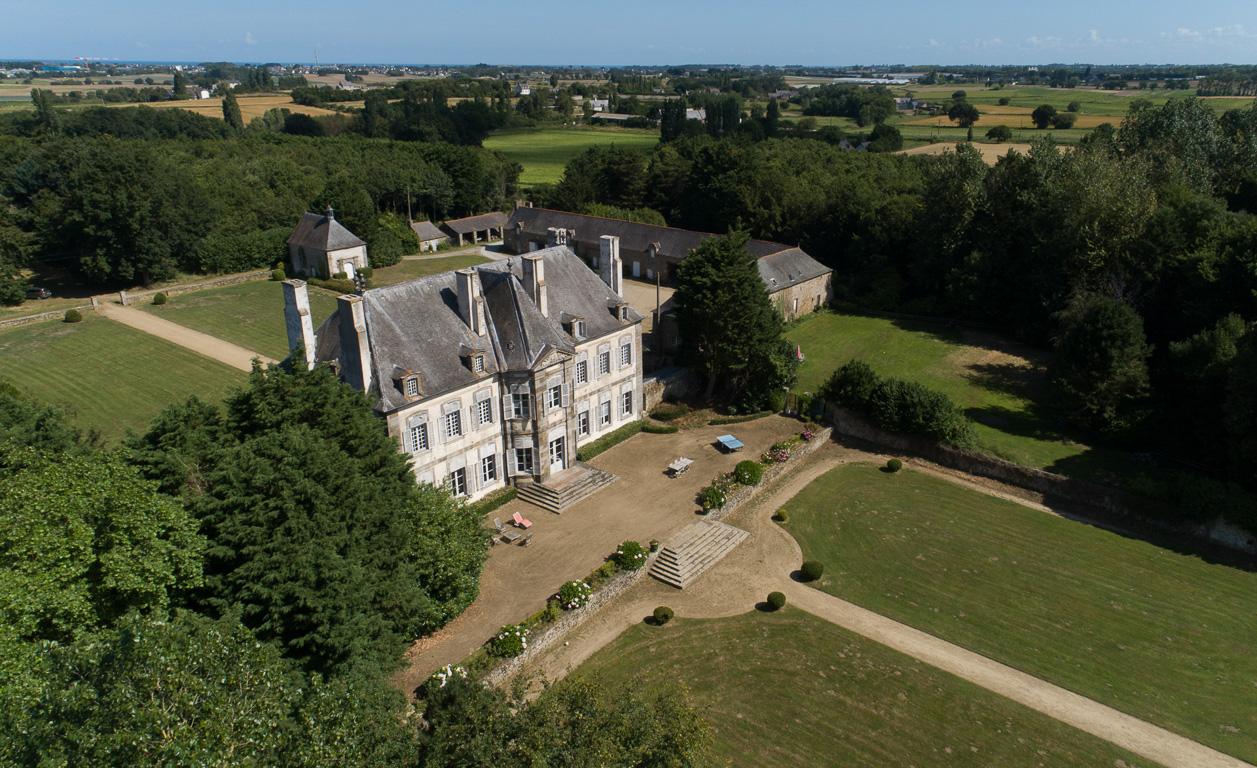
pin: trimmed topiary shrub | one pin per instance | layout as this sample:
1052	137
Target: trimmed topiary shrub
749	472
782	516
629	556
812	570
73	316
510	641
894	465
776	600
278	275
663	614
366	272
160	298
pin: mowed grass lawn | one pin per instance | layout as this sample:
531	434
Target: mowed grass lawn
248	314
545	151
414	268
789	689
996	381
1159	635
110	376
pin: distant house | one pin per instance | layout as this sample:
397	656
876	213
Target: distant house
429	235
322	247
600	105
476	229
523	89
906	104
695	114
783	95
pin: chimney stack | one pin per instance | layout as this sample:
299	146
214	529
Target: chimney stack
609	260
470	300
535	281
355	350
297	318
557	236
331	215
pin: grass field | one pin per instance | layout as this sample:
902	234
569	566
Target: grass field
996	381
110	376
249	314
1162	636
413	268
545	151
788	689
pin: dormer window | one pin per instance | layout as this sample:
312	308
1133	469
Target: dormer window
472	358
407	382
411	385
624	314
477	363
575	326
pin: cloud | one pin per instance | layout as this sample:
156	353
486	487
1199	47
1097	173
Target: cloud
248	39
1044	42
1095	38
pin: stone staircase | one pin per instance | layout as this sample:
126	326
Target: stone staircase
694	550
562	490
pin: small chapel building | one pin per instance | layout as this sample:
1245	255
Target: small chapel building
322	247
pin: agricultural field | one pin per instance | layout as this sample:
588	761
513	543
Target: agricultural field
789	689
248	314
545	151
1163	636
996	381
110	377
251	106
410	269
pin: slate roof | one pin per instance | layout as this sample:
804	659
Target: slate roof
477	223
426	230
782	270
672	242
323	233
416	326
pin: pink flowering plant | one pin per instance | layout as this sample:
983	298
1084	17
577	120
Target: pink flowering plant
574	594
510	641
808	433
630	556
444	675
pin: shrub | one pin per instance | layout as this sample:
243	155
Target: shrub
366	272
738	419
340	286
552	612
604	571
659	429
609	440
777	401
73	316
898	405
629	556
711	497
749	472
663	614
342	275
574	594
492	501
510	641
669	411
776	600
812	570
159	299
443	675
782	516
894	465
278	275
805	405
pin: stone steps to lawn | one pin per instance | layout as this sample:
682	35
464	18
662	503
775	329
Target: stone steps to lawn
566	488
694	550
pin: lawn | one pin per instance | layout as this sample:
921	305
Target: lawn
248	314
544	152
996	381
110	376
1162	636
789	689
413	268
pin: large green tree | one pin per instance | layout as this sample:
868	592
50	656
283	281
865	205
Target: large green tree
729	329
231	110
1101	366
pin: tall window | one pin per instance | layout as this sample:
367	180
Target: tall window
626	403
604	414
626	354
604	363
582	424
458	482
523	461
419	438
453	424
488	470
582	371
554	397
484	411
522	405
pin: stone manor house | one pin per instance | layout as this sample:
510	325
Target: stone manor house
493	374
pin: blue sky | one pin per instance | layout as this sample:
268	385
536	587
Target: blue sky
808	32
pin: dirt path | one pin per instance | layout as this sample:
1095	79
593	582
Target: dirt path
202	343
765	562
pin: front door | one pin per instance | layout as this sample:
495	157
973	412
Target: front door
557	462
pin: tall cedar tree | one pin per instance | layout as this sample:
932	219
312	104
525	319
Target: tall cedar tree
728	326
315	524
231	110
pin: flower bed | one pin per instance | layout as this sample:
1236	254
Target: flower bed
574	594
725	488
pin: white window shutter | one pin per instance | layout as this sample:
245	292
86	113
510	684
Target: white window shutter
508	408
567	394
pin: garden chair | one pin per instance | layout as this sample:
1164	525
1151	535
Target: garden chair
497	523
521	522
527	540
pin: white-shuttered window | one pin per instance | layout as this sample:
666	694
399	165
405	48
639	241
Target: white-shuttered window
488	470
419	438
554	397
523	461
453	425
626	354
458	482
604	363
582	424
582	371
484	412
604	414
626	404
522	405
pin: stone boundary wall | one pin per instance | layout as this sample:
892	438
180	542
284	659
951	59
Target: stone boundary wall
1105	502
569	621
43	317
668	382
771	473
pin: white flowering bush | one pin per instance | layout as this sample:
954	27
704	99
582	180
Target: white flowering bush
574	594
630	556
444	675
510	641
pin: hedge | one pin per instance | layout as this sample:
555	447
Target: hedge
609	440
899	405
659	429
719	420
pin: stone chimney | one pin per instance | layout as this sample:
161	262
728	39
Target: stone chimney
297	318
556	236
331	215
355	350
471	301
535	281
609	260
